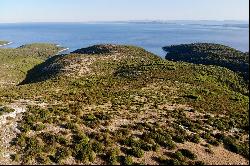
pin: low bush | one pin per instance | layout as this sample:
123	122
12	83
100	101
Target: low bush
128	160
61	154
112	156
195	138
187	153
5	110
178	155
137	152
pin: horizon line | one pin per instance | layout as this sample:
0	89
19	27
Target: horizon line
143	20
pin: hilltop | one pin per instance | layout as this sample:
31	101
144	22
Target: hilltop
210	54
116	104
89	61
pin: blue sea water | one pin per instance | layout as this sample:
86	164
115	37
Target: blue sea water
151	36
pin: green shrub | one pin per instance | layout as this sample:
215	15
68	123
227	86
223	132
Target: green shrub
84	152
128	160
179	139
240	148
219	124
63	141
199	163
25	127
6	110
206	136
193	96
129	141
137	143
122	132
33	146
145	146
164	139
61	154
21	140
38	127
155	147
169	144
214	142
231	144
90	117
15	157
195	138
92	156
27	159
178	155
48	138
187	153
137	152
112	156
42	159
71	126
98	147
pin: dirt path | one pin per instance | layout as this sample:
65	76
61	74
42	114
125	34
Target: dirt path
12	115
220	155
9	130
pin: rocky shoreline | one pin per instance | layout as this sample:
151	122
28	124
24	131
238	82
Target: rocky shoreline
1	45
62	50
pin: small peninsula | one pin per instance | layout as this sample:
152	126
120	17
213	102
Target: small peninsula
4	43
210	54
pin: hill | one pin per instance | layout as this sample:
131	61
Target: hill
210	54
115	104
16	62
78	64
99	49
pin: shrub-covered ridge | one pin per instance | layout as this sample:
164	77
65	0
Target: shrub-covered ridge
130	107
210	54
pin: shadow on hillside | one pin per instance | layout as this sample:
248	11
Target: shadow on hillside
43	71
241	68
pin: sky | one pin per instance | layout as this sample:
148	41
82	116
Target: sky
121	10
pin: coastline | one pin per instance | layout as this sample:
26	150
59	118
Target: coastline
6	44
65	49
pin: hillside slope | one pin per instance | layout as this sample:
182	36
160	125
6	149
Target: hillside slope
114	104
210	54
16	62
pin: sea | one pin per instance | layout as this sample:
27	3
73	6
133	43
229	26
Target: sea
150	35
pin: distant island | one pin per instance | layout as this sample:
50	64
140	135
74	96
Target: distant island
209	23
118	104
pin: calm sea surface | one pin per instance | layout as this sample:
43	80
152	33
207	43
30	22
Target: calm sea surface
151	36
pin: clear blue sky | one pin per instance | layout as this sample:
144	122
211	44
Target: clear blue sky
111	10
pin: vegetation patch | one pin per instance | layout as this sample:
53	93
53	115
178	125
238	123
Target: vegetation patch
210	54
131	106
